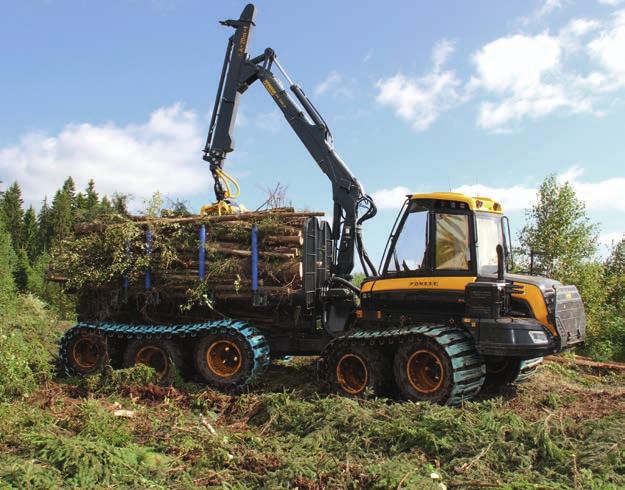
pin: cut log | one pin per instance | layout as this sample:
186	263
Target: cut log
584	361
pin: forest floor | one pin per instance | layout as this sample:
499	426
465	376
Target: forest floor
564	428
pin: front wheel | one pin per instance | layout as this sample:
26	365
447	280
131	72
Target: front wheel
438	365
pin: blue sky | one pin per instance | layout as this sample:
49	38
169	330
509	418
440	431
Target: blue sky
485	97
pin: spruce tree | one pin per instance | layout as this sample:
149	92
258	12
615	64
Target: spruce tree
91	200
7	264
12	214
31	234
44	220
62	215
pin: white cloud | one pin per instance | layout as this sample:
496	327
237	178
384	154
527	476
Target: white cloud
611	3
546	7
421	100
607	50
443	49
603	195
390	198
160	154
523	75
330	82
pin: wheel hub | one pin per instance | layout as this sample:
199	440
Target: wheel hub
86	353
224	358
425	371
352	373
154	357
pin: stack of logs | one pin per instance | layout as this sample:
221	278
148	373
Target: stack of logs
228	254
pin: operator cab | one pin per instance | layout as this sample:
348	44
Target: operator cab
444	235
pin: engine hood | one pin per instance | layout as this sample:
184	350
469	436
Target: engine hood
543	283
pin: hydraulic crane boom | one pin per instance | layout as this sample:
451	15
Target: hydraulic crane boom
238	73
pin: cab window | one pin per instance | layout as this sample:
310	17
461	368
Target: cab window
410	249
452	242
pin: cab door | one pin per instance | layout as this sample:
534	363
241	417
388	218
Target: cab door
430	258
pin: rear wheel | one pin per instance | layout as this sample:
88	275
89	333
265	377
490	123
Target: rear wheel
224	360
357	371
161	355
87	353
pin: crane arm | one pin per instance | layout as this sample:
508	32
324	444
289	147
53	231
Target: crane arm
238	73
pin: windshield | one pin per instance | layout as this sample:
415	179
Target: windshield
489	235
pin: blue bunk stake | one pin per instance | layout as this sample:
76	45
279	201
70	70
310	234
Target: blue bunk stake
254	259
202	253
148	249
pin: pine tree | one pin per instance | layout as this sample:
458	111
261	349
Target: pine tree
91	200
31	234
12	214
105	206
62	215
7	264
69	187
120	203
22	271
44	220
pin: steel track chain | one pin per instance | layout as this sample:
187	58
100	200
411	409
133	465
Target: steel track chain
528	369
255	339
469	370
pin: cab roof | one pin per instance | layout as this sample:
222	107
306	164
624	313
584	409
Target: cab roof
474	203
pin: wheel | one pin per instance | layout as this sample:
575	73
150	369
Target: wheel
440	365
357	371
225	360
86	353
161	355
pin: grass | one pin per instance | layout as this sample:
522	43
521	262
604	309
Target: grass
563	429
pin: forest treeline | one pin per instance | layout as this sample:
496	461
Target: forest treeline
558	238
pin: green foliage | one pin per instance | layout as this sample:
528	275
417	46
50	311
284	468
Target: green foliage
7	264
12	214
559	231
27	343
31	234
358	278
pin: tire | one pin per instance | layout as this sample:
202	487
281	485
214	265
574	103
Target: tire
357	371
423	371
224	360
86	353
161	355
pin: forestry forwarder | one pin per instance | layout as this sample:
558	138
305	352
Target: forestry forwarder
439	318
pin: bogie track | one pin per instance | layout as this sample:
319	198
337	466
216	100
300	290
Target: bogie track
430	362
87	347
